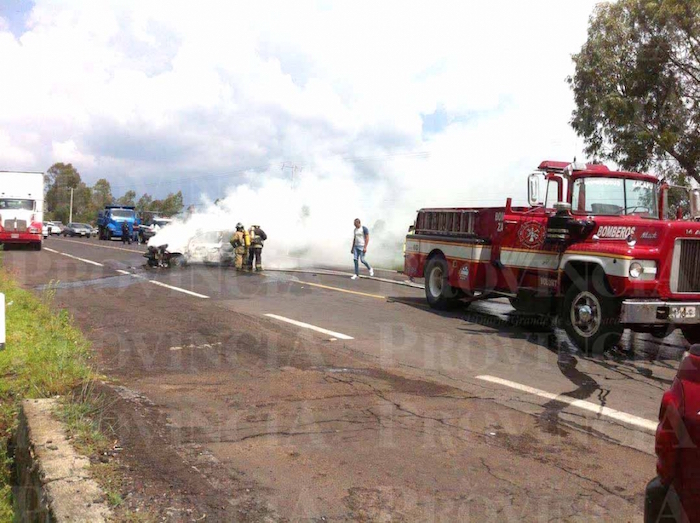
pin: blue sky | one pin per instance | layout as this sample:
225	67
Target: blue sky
16	12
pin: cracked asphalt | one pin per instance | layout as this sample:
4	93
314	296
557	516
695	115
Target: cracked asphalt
225	414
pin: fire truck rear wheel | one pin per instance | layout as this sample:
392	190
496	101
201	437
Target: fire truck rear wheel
591	319
692	334
438	291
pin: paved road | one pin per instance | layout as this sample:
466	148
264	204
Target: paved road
373	408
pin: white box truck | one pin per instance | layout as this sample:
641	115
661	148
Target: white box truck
21	208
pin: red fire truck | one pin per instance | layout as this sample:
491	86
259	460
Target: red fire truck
600	250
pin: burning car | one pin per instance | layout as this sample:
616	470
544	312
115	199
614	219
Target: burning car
205	247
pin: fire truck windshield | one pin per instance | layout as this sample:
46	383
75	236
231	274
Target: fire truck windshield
615	197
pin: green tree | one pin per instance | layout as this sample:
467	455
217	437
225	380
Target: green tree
83	210
101	194
637	85
60	178
144	203
171	205
127	199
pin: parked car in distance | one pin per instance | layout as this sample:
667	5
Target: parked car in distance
94	230
77	229
146	232
674	495
52	228
58	228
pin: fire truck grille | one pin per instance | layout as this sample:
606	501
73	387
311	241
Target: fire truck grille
16	225
689	268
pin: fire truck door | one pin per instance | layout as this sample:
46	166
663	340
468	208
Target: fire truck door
502	237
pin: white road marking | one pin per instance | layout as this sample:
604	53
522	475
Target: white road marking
74	257
617	415
203	346
160	284
330	272
171	287
303	325
99	245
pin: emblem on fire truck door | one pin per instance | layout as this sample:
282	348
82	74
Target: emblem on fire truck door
531	234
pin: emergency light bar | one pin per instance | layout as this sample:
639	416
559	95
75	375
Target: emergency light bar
569	167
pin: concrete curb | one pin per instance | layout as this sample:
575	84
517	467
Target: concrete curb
53	481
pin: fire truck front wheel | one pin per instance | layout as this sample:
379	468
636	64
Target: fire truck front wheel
591	319
438	291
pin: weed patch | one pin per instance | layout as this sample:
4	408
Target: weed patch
44	356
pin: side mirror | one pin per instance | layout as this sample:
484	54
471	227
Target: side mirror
533	190
695	204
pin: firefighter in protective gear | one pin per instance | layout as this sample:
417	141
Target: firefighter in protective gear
246	254
238	243
257	240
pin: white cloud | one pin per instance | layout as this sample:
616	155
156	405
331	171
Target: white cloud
67	152
12	155
142	91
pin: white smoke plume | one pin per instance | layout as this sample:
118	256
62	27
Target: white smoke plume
309	219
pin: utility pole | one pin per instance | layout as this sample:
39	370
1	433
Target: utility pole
70	217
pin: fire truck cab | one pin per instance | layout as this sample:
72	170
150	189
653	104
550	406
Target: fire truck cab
600	250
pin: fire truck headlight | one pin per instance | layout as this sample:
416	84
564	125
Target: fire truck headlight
643	269
636	270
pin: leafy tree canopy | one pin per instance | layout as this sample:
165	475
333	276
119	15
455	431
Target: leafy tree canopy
637	85
87	201
128	198
102	193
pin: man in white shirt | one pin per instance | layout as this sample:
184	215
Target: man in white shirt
360	240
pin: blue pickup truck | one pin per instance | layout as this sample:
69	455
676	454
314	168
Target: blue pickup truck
110	219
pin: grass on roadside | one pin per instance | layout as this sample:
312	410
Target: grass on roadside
92	434
82	411
45	355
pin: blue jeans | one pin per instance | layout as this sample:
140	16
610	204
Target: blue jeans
359	256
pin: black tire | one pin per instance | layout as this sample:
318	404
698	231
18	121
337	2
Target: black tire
600	328
438	291
691	333
177	261
152	262
37	246
518	304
